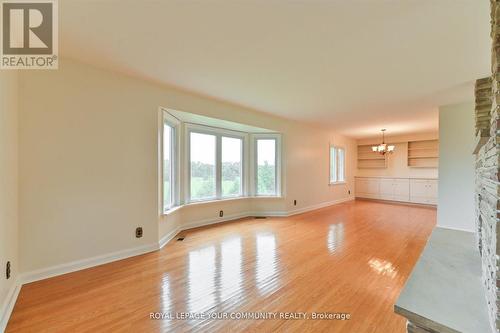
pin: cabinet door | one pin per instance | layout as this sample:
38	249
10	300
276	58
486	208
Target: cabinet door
418	191
432	191
367	188
401	190
373	188
360	187
387	189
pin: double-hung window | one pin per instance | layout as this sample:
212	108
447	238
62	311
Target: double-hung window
337	165
169	165
203	157
231	166
267	157
215	164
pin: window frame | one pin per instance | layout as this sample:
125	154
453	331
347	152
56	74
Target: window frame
218	133
188	167
278	159
174	124
336	164
242	167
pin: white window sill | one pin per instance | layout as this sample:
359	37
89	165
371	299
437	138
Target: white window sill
214	201
338	183
171	210
211	201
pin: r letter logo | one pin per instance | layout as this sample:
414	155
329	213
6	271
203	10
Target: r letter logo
29	34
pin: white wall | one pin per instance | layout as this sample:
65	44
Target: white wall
456	167
88	163
8	184
397	163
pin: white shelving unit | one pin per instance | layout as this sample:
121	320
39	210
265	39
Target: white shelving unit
423	154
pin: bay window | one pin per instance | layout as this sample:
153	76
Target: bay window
201	162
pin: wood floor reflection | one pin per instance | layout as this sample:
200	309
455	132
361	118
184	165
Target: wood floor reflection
351	258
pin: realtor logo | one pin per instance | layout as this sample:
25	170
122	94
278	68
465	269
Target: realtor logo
29	34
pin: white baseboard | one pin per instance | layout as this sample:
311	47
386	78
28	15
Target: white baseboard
204	222
77	265
318	206
168	237
8	304
453	228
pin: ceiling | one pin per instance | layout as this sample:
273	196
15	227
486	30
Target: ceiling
354	66
191	118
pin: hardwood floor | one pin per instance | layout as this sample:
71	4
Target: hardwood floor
350	258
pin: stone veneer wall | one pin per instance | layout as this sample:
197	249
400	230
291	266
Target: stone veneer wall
487	93
483	106
486	208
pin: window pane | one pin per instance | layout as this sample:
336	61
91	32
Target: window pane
231	166
333	165
266	167
341	159
202	147
167	166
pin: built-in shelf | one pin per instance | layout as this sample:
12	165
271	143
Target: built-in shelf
427	149
423	154
427	157
367	159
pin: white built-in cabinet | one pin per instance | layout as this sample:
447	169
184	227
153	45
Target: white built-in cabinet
394	189
367	188
422	191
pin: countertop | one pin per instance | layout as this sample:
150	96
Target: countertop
445	291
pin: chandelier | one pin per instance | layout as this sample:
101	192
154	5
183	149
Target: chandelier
383	148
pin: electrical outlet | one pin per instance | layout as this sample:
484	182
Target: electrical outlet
7	270
295	202
221	213
138	232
